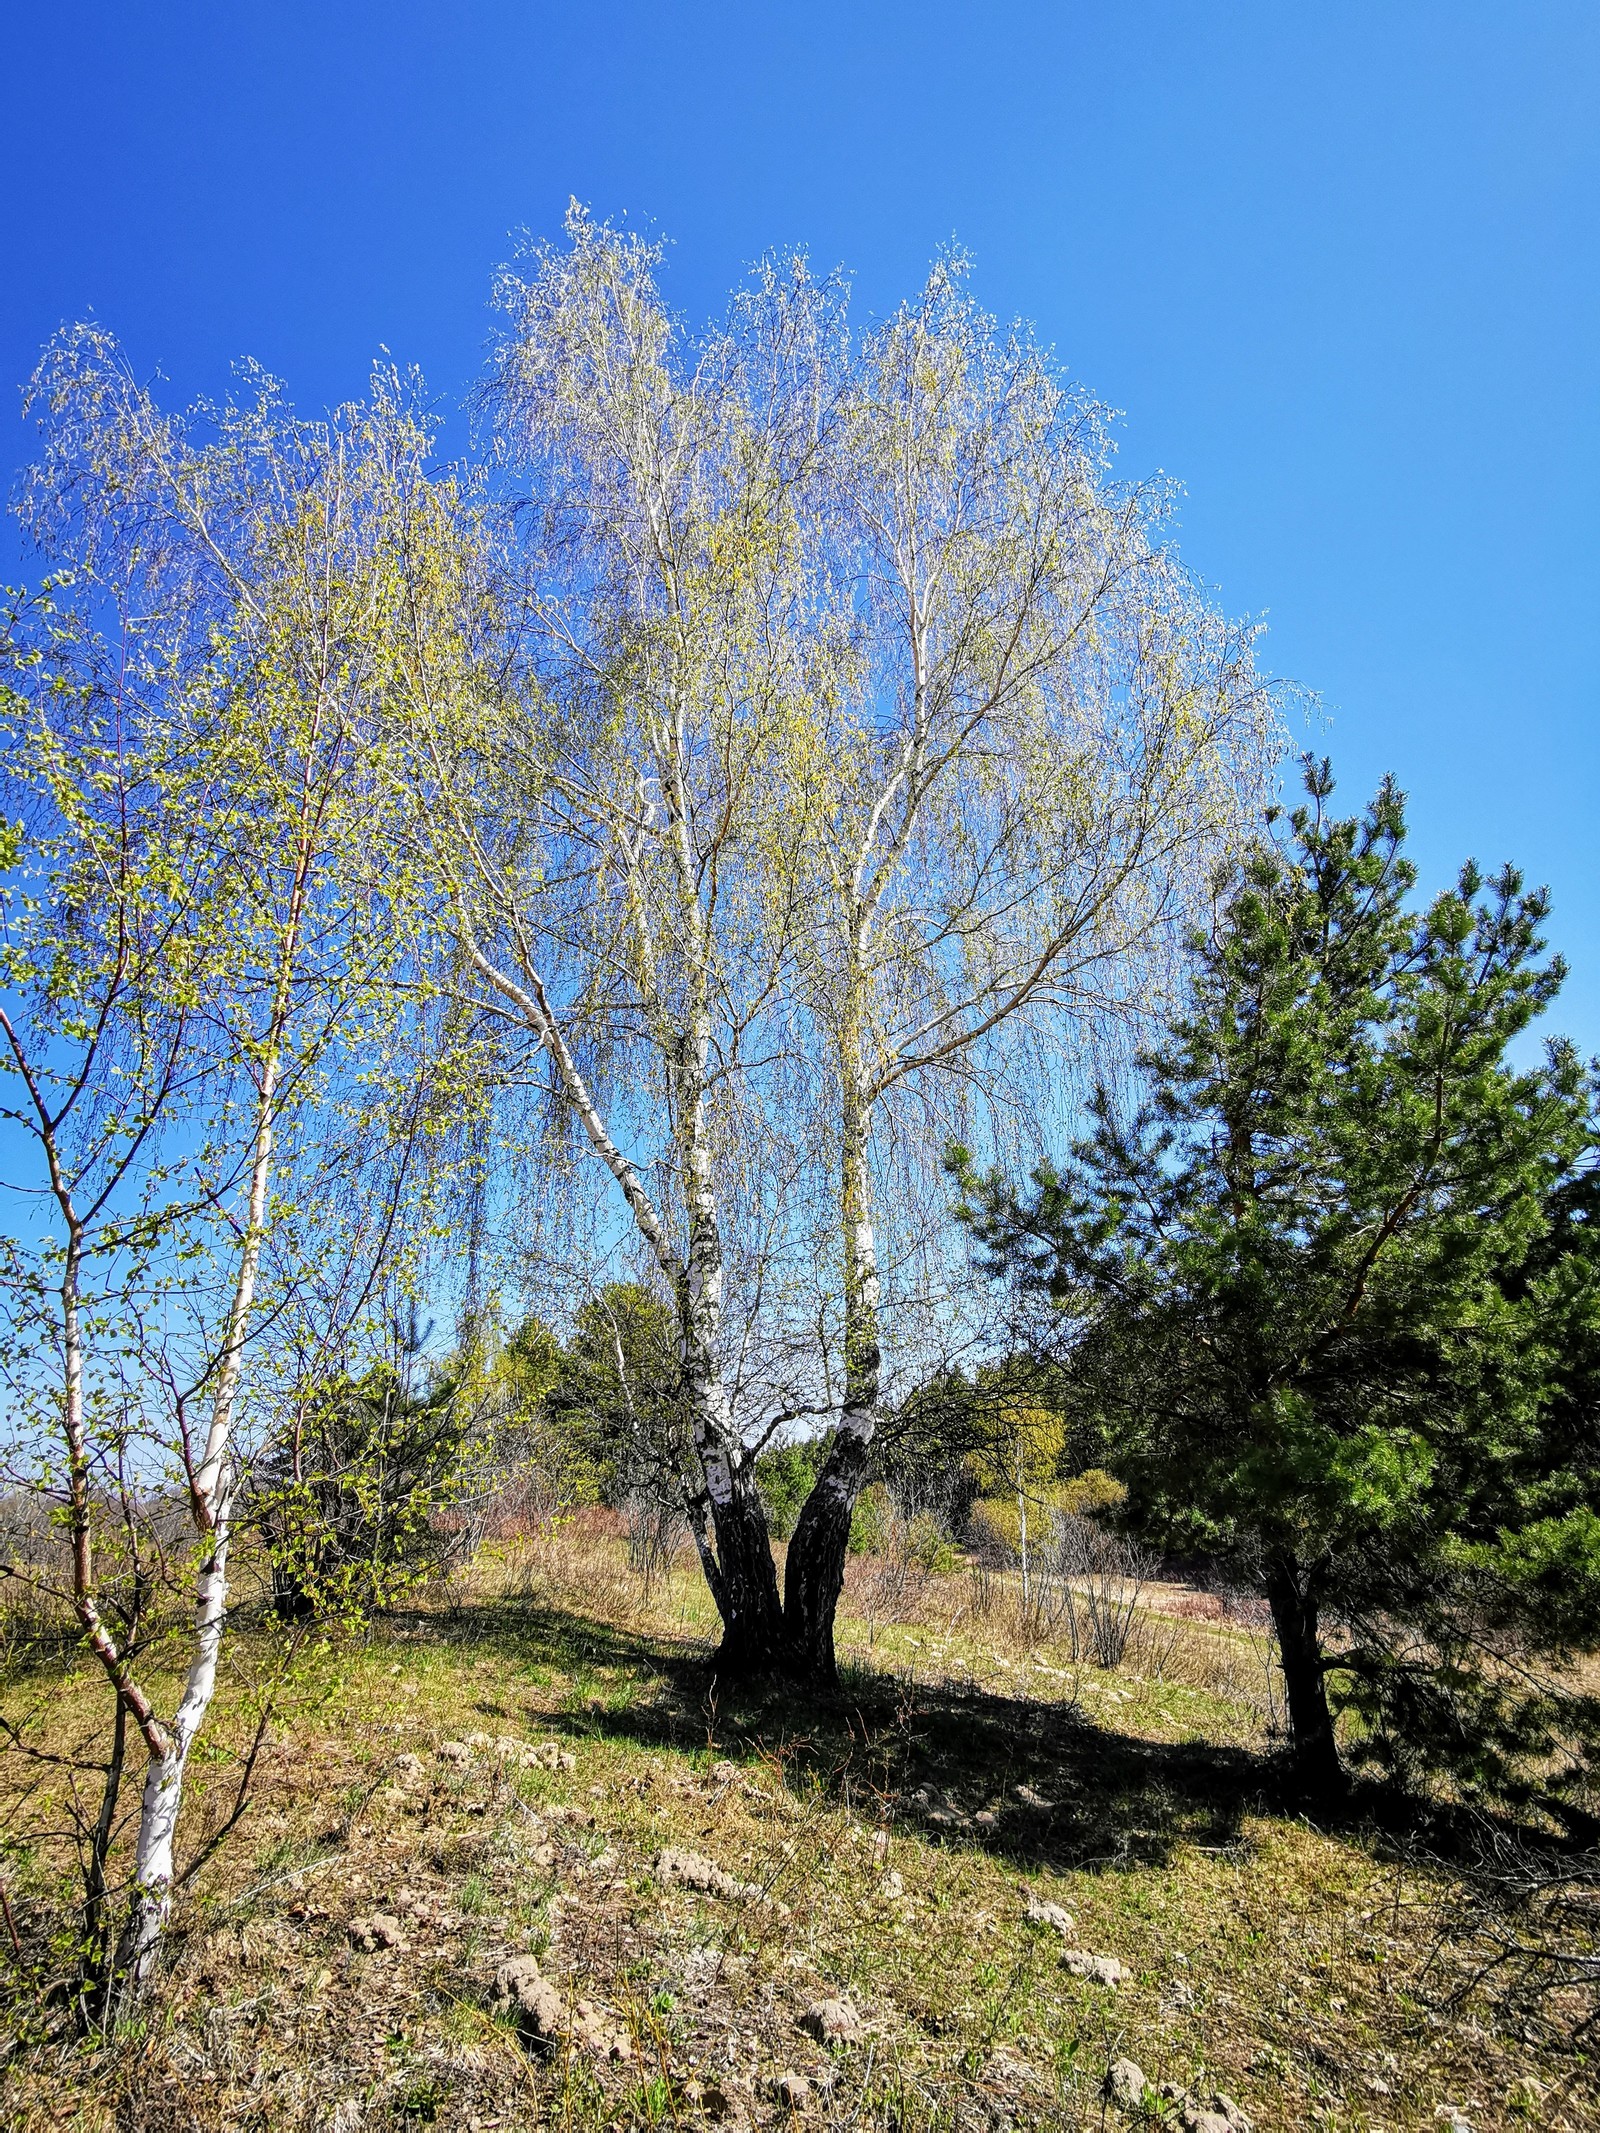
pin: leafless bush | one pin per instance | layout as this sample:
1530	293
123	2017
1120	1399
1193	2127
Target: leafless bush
657	1534
1527	1921
527	1505
885	1588
891	1584
1085	1589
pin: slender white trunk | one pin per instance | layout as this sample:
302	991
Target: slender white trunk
746	1584
862	1362
863	1365
533	1006
211	1506
702	1332
162	1800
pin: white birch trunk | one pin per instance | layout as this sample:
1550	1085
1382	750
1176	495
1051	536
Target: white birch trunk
211	1505
1022	1521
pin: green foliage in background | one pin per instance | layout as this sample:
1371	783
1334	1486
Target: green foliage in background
785	1475
364	1496
995	1522
614	1400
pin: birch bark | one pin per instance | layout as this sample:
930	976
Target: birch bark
212	1481
814	1573
211	1490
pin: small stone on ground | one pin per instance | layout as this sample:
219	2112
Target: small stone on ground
380	1930
1098	1969
1050	1914
1125	2084
832	2021
691	1870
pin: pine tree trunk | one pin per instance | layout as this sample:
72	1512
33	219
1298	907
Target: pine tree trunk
1022	1517
1318	1774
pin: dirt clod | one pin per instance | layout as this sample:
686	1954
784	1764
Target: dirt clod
692	1870
1050	1914
832	2021
380	1929
544	2016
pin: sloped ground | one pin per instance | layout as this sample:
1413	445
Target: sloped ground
498	1779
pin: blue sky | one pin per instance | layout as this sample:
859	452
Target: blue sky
1337	263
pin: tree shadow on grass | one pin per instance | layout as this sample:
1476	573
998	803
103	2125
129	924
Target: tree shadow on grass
1037	1784
1040	1785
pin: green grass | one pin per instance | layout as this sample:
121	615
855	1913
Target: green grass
1315	1975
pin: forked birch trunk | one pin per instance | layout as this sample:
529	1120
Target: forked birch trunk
737	1559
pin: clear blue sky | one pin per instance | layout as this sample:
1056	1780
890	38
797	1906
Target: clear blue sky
1338	264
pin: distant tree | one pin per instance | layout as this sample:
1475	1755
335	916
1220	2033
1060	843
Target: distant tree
549	1466
364	1493
786	1474
1332	1296
527	1367
615	1391
1018	1455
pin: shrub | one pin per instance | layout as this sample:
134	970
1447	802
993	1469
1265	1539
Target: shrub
1086	1493
994	1523
371	1494
929	1546
995	1529
870	1520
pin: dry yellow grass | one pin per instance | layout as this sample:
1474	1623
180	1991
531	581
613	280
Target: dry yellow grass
896	1835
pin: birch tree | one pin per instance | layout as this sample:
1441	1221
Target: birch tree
603	782
1046	740
199	928
839	736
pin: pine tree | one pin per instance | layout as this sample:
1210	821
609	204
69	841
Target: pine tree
1331	1295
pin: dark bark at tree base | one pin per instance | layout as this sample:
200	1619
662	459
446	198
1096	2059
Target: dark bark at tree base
814	1577
764	1637
1316	1771
746	1589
